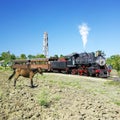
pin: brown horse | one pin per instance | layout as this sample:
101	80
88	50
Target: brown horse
25	72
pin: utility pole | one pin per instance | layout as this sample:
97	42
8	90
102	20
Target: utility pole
45	44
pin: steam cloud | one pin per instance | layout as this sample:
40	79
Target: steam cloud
84	31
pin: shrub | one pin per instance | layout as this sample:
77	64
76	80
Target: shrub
43	98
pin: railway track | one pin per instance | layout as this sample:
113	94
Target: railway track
114	78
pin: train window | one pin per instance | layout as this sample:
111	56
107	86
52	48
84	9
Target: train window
69	59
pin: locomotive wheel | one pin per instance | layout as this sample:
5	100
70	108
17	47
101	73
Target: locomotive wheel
91	74
98	75
68	71
73	71
80	72
88	74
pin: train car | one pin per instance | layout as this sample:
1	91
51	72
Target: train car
65	64
42	63
33	63
19	64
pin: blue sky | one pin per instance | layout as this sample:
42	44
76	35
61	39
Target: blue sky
23	22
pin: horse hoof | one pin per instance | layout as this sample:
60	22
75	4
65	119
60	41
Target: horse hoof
14	87
34	86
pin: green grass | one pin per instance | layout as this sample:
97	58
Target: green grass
44	98
62	83
1	93
117	103
74	84
4	68
108	88
57	97
113	83
119	73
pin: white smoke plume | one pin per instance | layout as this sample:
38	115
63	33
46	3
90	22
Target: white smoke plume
84	31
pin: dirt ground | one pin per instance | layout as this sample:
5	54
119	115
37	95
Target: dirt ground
59	97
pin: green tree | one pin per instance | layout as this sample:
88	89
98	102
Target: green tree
23	56
1	58
100	52
114	60
56	56
40	56
13	57
31	56
61	56
6	57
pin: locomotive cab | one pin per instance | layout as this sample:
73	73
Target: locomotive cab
71	60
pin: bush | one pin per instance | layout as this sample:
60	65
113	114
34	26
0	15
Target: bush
43	98
5	68
119	73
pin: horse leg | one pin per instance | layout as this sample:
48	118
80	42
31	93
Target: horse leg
31	80
11	75
15	80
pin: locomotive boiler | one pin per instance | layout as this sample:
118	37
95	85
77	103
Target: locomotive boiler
90	64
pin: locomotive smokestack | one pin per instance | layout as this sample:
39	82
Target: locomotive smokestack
84	31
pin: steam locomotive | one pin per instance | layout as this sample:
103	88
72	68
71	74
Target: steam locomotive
89	64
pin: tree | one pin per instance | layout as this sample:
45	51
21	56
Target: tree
31	56
114	61
100	52
7	57
40	56
23	56
13	57
61	56
56	56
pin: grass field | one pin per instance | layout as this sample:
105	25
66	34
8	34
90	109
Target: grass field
59	97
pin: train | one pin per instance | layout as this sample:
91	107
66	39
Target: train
87	64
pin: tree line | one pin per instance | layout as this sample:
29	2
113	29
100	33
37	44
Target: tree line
7	58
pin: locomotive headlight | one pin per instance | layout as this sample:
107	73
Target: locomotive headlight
100	60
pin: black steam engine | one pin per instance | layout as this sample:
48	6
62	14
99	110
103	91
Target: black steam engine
89	64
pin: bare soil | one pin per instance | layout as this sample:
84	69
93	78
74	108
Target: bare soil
59	97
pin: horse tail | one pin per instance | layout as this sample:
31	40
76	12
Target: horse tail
11	75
